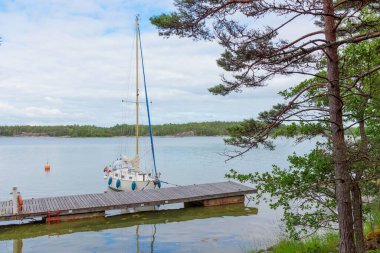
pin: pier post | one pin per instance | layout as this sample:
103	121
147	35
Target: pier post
15	202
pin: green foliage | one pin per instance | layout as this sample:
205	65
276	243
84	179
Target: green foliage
219	90
305	191
269	116
372	215
244	134
183	23
165	21
300	131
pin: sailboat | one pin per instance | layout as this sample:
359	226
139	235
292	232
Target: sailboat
125	174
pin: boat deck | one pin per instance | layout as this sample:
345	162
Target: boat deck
100	202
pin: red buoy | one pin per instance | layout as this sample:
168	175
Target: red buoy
47	167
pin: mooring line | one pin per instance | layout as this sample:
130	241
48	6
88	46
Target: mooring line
169	183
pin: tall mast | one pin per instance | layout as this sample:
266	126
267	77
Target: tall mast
147	108
137	87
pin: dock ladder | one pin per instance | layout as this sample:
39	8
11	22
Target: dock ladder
53	216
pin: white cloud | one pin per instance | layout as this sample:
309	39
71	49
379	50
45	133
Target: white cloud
5	106
41	112
67	62
53	100
30	111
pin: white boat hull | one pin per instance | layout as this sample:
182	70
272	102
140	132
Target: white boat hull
126	185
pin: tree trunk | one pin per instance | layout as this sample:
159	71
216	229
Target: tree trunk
357	204
357	210
342	175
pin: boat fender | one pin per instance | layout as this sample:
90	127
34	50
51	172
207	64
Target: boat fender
19	200
157	183
105	169
133	185
118	183
110	181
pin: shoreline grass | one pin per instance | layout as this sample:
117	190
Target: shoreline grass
326	243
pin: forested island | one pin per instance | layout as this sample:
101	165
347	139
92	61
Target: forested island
215	128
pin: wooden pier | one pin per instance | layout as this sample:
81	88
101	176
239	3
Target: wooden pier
90	205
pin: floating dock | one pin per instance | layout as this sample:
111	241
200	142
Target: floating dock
92	205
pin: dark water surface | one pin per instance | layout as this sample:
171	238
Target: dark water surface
77	167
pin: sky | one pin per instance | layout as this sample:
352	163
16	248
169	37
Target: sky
71	62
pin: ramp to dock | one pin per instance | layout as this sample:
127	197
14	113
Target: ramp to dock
204	194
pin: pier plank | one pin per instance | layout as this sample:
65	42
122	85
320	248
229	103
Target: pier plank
48	204
69	202
54	204
74	201
78	201
62	203
94	201
30	204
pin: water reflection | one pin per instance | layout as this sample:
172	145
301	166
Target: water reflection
143	225
123	221
17	246
18	243
153	237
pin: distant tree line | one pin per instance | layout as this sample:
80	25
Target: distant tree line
188	129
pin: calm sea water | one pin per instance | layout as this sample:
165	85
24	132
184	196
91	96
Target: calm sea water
77	167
